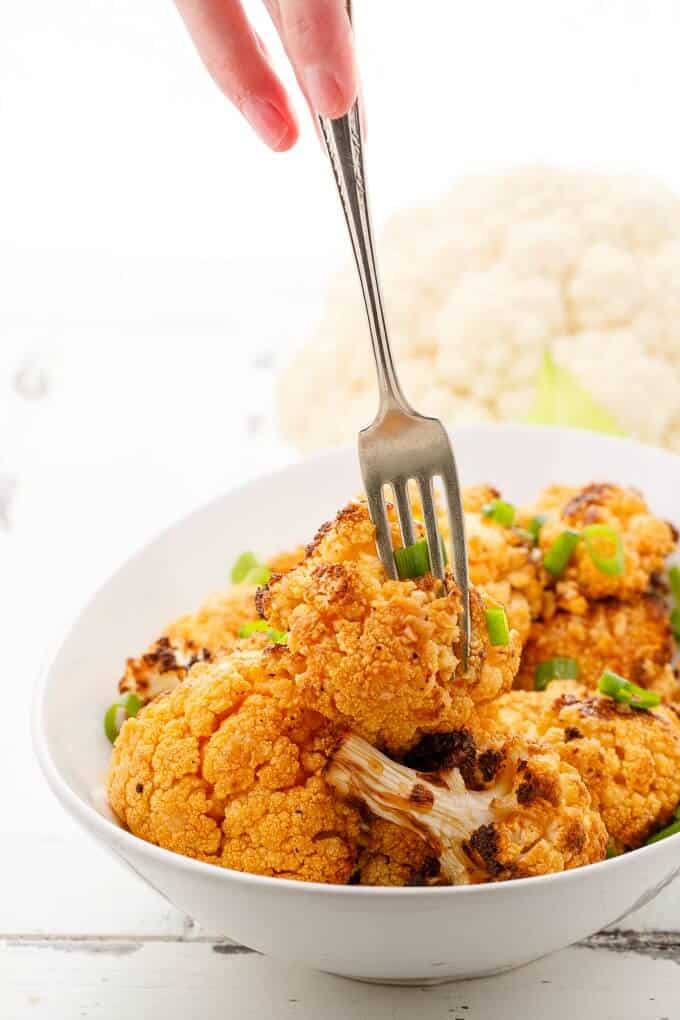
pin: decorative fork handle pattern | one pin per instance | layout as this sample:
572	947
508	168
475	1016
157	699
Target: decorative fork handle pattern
345	149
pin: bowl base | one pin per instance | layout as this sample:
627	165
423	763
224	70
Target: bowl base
425	982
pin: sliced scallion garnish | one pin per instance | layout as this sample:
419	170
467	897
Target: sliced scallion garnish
625	692
534	526
246	561
500	511
670	830
674	581
497	626
246	629
412	560
257	575
675	623
279	637
111	727
559	668
560	552
605	548
118	712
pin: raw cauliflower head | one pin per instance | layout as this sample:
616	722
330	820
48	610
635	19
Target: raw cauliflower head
477	285
378	656
631	638
523	812
647	541
228	768
629	759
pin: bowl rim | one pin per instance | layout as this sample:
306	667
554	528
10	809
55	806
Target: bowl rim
109	831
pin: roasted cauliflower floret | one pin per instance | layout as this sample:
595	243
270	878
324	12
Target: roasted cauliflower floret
228	768
282	562
632	638
197	637
192	638
392	855
501	559
503	563
647	541
667	683
629	759
378	656
531	817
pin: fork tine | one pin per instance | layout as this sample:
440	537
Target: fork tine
400	489
454	503
383	535
430	518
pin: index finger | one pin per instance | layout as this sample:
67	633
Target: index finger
318	38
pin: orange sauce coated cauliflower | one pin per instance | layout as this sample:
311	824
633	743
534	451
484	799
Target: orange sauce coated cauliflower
228	768
631	638
630	760
378	656
647	541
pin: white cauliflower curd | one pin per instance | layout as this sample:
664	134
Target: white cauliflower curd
479	284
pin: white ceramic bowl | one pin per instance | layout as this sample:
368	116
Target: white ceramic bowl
400	935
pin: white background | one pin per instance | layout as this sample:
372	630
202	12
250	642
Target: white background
157	264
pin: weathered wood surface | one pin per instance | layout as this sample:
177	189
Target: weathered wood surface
617	977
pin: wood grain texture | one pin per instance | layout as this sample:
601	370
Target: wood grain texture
176	980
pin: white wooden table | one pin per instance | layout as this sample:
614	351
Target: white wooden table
91	457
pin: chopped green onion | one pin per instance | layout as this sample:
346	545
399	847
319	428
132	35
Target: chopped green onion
560	552
497	626
534	526
258	575
670	830
111	727
244	563
131	705
559	668
675	623
524	534
246	629
412	560
500	512
127	708
279	637
598	535
674	581
625	692
611	852
561	400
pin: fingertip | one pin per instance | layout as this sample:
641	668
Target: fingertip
288	140
330	93
276	127
320	43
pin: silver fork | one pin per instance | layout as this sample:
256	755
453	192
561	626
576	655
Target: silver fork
401	444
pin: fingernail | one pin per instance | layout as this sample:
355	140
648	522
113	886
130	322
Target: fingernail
323	89
263	116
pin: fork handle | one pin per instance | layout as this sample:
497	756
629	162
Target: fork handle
343	140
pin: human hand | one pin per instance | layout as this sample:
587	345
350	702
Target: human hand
317	36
